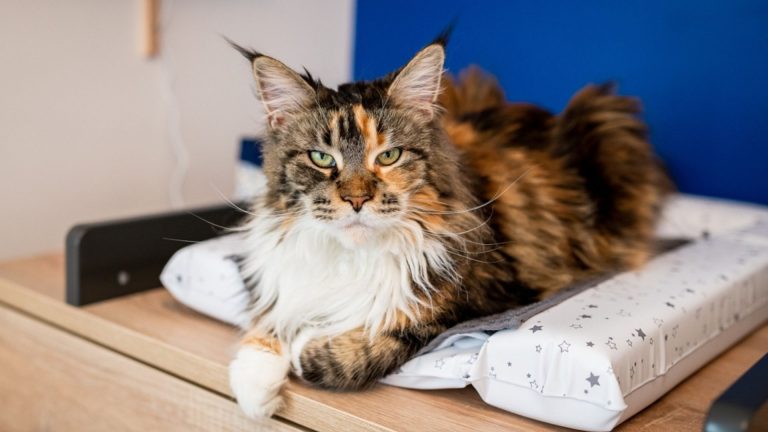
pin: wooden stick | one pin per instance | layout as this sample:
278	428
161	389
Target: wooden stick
149	28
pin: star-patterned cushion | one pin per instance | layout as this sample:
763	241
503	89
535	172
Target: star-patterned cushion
604	354
594	359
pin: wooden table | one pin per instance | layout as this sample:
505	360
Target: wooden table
145	362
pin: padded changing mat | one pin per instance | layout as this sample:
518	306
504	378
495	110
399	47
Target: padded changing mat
607	352
602	354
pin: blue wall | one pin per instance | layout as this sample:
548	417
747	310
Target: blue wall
700	67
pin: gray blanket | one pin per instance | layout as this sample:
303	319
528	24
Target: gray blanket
513	318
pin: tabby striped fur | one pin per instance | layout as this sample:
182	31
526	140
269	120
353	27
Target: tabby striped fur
491	205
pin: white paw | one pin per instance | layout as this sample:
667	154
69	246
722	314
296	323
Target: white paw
256	378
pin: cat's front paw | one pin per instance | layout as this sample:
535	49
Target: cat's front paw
256	377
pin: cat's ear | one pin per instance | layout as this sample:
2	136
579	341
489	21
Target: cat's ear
283	91
417	85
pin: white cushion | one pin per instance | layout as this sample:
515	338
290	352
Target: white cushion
205	277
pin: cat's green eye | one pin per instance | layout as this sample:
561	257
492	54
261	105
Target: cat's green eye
323	160
389	157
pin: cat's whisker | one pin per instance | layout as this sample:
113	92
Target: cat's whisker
181	240
468	252
477	207
499	244
460	237
474	259
288	214
264	212
229	202
211	223
485	222
486	247
297	212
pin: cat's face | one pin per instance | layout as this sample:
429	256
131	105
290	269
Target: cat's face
358	160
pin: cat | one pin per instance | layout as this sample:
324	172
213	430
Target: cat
399	207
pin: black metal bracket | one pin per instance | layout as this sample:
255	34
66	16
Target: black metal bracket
109	259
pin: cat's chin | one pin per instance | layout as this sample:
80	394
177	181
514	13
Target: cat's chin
354	231
356	234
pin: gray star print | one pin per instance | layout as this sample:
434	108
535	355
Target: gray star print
593	380
536	328
640	333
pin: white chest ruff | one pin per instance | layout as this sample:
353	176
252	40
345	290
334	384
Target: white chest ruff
306	279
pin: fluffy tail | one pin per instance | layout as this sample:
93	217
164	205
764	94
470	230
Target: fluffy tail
602	137
474	91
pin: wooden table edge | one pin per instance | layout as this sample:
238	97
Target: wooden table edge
194	369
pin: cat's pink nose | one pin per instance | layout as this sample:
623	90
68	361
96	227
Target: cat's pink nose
357	201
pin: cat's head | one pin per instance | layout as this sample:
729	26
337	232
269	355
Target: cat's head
360	159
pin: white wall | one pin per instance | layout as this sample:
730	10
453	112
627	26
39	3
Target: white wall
87	124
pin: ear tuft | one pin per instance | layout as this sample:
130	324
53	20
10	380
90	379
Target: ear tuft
283	91
445	35
249	54
418	83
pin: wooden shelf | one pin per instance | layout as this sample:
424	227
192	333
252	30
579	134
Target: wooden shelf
152	329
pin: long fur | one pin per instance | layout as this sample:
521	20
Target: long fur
356	265
309	278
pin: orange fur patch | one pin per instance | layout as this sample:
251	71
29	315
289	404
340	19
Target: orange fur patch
371	137
426	199
397	180
461	134
263	343
333	127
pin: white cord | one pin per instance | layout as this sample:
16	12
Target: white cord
173	113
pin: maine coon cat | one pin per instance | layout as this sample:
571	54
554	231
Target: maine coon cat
399	207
